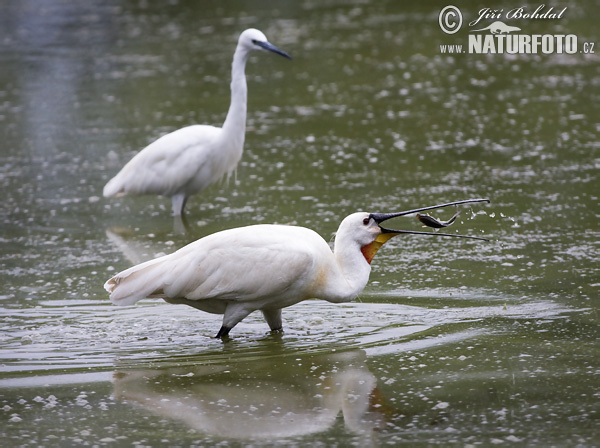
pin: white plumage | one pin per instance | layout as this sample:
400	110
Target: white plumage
186	161
262	267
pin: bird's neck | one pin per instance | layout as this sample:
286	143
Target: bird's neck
235	122
353	267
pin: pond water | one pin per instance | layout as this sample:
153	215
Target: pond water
453	342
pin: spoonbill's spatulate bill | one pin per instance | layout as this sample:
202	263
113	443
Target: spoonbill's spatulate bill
264	267
186	161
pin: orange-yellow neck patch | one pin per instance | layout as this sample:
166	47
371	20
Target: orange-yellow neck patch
371	249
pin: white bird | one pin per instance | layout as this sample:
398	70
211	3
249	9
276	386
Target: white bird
264	267
186	161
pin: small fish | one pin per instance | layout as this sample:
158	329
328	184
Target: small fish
432	222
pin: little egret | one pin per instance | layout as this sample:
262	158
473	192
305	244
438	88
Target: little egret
186	161
264	267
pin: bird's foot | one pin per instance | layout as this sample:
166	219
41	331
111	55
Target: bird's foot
180	224
276	330
223	333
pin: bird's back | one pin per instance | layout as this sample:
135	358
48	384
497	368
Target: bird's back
168	165
260	263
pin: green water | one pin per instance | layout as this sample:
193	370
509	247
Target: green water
452	343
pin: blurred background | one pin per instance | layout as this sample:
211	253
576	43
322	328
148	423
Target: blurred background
452	342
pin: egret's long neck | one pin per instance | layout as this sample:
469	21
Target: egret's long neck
235	123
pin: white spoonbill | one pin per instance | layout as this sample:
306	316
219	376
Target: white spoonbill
186	161
264	267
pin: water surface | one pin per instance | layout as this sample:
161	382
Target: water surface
453	342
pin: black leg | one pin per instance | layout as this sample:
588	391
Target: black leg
223	332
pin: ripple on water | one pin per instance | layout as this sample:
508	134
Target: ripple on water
58	338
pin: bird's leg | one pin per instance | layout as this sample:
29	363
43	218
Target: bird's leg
181	225
234	313
223	332
273	318
178	203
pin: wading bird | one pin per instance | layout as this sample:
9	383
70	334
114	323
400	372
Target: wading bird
186	161
264	267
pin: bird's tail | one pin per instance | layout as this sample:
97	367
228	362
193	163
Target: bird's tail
137	283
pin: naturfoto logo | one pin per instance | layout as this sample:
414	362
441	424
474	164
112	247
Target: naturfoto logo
507	37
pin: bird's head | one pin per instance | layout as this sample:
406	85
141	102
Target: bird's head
253	39
365	229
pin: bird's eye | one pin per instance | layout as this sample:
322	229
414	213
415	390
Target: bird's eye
366	221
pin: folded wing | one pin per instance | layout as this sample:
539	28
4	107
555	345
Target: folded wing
166	165
246	264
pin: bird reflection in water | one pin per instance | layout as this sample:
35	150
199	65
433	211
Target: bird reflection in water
267	398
